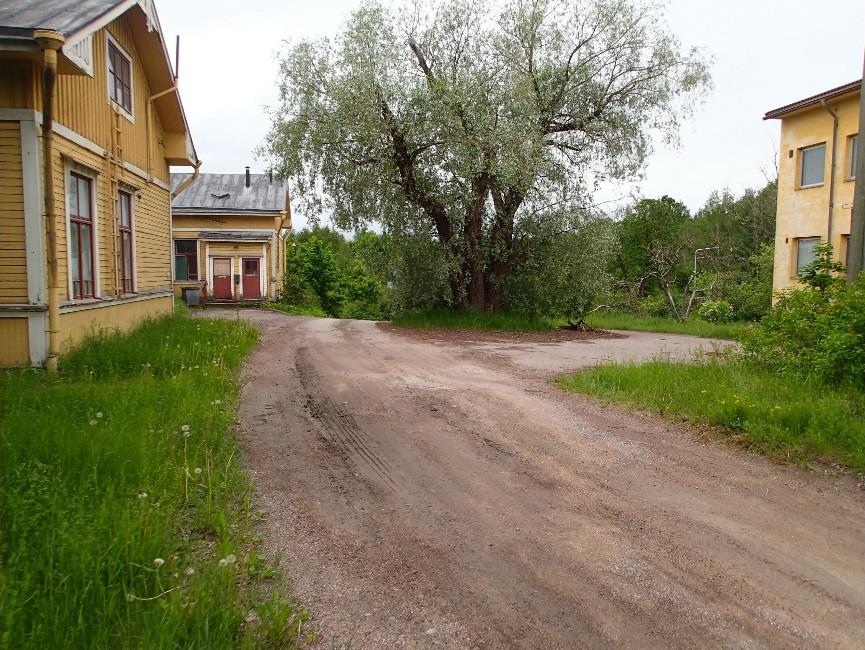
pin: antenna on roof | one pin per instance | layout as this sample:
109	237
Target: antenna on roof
177	58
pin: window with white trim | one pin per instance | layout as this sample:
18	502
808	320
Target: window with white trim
806	252
119	76
81	244
813	165
854	154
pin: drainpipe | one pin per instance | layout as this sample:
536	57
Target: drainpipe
832	167
50	42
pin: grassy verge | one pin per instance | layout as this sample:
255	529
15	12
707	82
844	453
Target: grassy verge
693	326
473	320
126	518
779	415
297	310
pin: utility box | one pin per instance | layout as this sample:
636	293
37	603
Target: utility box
192	296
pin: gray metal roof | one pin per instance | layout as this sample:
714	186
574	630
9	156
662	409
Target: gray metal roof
228	193
64	16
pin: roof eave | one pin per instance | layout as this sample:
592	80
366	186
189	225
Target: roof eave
808	102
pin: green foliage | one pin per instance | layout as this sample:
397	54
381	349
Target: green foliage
652	224
779	415
473	320
465	133
695	327
122	491
822	273
716	311
816	332
654	305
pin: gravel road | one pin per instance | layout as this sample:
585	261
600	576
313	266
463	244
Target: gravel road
430	492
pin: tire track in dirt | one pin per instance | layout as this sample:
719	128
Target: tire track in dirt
342	430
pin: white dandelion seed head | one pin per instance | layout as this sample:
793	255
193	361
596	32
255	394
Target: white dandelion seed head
198	470
186	434
92	423
158	562
99	414
185	427
189	571
156	504
231	558
223	562
142	495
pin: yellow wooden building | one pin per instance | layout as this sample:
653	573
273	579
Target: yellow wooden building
229	236
816	173
90	120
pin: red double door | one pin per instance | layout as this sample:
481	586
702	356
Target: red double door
223	280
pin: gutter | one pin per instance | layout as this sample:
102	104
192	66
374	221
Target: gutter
832	168
149	125
50	41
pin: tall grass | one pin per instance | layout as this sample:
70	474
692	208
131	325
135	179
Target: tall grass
692	326
473	320
125	513
780	415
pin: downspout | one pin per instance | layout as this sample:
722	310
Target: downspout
196	170
832	167
50	42
186	182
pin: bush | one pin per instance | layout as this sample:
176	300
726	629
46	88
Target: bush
654	305
818	331
715	311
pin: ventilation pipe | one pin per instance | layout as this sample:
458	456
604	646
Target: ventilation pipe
248	180
50	42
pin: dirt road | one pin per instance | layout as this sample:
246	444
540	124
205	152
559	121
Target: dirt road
443	494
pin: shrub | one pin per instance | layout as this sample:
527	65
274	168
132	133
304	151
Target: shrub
715	311
654	305
817	331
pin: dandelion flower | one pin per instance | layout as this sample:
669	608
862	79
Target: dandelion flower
185	427
198	470
143	495
92	423
223	562
158	562
99	414
186	434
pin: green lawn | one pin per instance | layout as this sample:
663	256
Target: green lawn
779	415
296	310
125	518
473	320
693	326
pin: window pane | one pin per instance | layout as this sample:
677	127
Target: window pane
807	252
180	270
184	246
73	194
813	165
86	252
854	154
74	253
84	198
125	209
127	254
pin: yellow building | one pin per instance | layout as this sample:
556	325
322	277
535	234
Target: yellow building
90	120
816	173
229	236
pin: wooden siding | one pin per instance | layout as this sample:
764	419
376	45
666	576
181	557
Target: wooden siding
14	342
16	85
95	122
13	248
228	249
150	221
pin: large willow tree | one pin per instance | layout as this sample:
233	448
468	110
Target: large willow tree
472	123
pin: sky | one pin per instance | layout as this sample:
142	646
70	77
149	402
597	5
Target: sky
766	53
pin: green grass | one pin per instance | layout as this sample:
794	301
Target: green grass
473	320
125	518
780	415
297	310
693	326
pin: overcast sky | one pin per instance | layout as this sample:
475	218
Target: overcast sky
767	53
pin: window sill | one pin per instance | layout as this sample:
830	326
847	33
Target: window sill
117	107
810	187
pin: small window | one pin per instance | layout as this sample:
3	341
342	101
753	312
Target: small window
185	260
806	252
813	165
80	197
854	154
127	263
119	78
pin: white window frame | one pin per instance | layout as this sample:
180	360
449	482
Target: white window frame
93	175
796	268
851	162
801	166
129	115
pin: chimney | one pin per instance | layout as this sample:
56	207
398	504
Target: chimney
247	176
